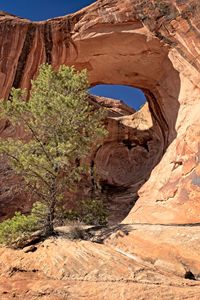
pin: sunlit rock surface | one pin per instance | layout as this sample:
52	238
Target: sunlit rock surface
155	46
143	262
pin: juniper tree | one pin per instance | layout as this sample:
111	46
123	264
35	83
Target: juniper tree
61	127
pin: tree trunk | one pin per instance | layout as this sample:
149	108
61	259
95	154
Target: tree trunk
49	224
49	228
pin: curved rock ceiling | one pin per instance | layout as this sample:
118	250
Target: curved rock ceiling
154	46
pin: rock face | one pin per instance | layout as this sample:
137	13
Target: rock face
129	266
130	151
153	153
153	46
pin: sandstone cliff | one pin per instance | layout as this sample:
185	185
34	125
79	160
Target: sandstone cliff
153	45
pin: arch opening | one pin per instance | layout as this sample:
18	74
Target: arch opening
133	97
136	142
133	147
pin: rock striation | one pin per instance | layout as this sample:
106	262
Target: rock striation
152	45
154	153
129	265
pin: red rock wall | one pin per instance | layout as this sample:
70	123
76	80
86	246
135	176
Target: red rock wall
153	45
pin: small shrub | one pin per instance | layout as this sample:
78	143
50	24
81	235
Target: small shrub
21	225
93	212
90	212
71	215
13	228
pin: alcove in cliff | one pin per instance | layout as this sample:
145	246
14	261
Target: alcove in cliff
126	157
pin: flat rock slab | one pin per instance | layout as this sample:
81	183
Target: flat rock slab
136	261
173	248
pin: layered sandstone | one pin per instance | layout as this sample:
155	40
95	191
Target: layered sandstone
129	266
153	46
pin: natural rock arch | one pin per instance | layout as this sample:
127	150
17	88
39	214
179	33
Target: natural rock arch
119	44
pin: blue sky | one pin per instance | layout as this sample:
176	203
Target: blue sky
131	96
38	10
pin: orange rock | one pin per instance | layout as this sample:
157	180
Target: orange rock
153	45
133	265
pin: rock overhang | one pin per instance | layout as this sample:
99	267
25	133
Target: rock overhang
119	45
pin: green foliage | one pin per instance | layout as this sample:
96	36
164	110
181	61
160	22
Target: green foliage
20	225
90	212
93	212
71	215
39	212
60	126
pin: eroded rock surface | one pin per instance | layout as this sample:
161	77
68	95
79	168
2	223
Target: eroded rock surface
154	46
129	266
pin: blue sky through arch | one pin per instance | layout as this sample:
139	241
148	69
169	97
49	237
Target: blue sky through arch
131	96
38	10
